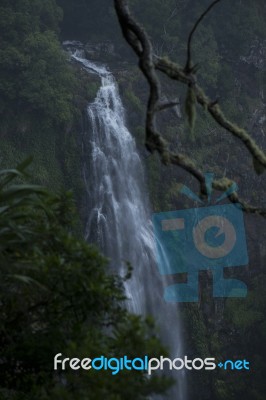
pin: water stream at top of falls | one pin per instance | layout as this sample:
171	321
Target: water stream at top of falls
118	212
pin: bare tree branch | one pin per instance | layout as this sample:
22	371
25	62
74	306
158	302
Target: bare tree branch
203	15
164	104
176	73
138	39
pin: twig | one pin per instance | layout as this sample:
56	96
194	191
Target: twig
188	64
138	39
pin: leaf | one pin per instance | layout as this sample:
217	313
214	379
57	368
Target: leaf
9	174
16	192
28	280
22	278
14	173
22	166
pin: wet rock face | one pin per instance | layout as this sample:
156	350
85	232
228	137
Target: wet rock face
99	50
96	51
257	55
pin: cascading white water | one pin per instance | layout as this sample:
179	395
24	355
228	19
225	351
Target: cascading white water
118	209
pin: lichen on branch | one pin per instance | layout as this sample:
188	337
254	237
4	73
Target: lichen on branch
149	64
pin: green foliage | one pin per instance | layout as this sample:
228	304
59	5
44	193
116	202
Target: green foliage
34	75
56	296
48	81
51	282
133	100
244	324
37	88
221	42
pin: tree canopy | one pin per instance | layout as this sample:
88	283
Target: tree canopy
34	76
57	296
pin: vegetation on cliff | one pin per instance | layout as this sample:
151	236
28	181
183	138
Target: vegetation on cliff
41	98
57	296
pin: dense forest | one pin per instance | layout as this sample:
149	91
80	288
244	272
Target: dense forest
56	292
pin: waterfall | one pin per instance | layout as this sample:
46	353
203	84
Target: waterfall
119	217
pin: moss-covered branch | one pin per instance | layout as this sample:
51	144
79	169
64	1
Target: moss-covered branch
149	64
